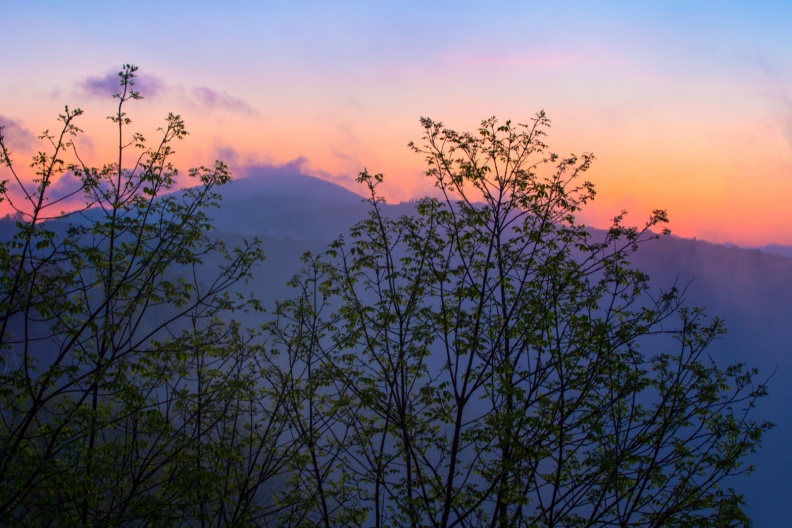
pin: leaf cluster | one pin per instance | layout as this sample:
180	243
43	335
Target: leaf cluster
481	362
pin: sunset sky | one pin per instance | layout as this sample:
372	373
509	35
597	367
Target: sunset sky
686	105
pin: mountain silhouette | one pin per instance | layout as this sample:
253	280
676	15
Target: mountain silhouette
750	289
277	205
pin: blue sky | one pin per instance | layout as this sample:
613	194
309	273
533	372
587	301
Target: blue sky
687	105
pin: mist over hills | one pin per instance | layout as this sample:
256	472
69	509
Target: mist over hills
751	289
777	249
748	288
752	292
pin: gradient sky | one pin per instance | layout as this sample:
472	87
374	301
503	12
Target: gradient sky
686	105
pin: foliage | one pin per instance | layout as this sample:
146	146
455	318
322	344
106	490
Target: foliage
128	396
489	361
484	361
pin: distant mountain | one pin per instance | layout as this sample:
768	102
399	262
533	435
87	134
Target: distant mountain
776	249
267	182
752	292
272	204
750	289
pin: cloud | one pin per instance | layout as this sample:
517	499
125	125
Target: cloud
65	185
201	97
228	155
110	84
550	60
299	165
779	92
15	135
242	165
785	101
206	98
786	116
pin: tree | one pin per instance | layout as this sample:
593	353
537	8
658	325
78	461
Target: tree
128	396
484	361
489	361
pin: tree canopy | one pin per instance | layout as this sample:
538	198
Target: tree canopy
485	360
481	362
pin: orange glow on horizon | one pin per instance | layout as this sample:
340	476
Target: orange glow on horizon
699	177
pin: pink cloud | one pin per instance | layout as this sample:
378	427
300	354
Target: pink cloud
299	165
15	135
201	97
110	84
541	61
212	99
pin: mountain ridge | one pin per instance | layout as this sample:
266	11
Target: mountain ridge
749	288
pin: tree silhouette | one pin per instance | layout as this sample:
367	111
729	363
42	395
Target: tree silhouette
482	361
126	390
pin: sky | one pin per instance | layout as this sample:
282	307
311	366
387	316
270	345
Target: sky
687	106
